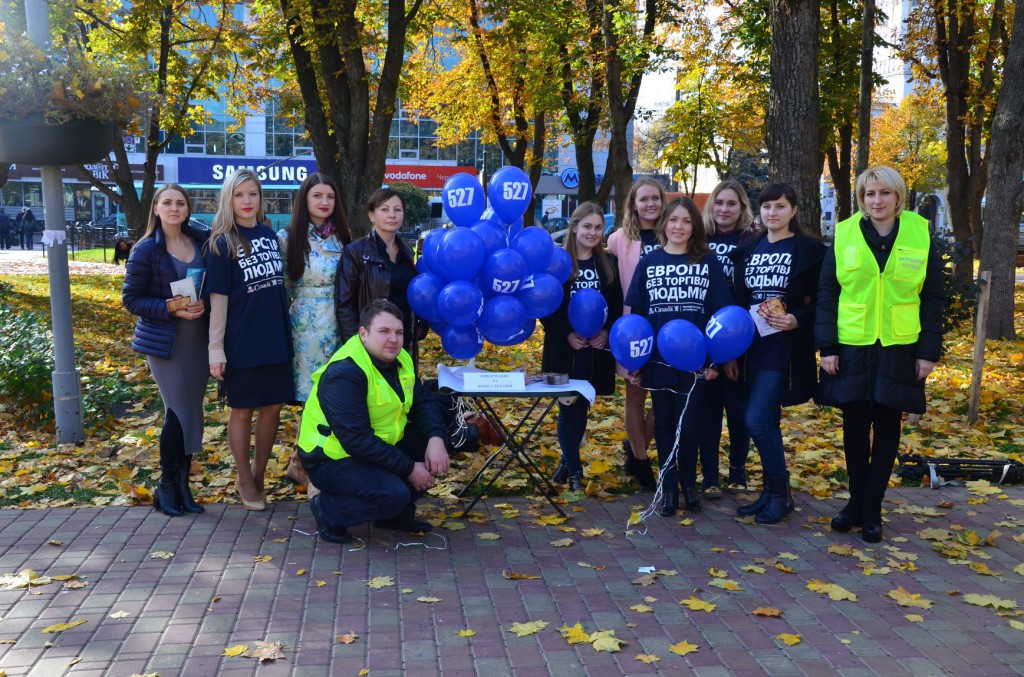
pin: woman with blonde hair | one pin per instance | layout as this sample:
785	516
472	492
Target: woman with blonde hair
250	341
173	340
874	364
644	211
565	351
728	222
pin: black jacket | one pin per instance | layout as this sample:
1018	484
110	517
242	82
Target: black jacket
147	286
363	278
342	395
558	355
886	375
801	295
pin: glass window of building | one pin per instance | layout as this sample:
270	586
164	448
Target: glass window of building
284	138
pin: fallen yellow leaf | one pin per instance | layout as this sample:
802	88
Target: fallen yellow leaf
694	604
834	592
378	582
488	536
574	634
683	648
347	638
562	543
646	658
605	640
61	627
524	629
788	639
465	633
906	598
236	650
512	576
642	608
768	611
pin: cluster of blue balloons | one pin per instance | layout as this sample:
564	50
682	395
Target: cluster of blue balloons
487	279
681	344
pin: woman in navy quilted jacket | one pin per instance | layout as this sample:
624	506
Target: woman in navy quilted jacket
175	343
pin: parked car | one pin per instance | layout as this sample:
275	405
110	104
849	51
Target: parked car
556	224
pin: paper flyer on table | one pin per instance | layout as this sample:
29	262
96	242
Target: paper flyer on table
453	378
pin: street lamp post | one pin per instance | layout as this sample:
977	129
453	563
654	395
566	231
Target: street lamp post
67	388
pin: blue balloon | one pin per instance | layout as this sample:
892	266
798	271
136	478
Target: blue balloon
461	254
504	271
519	337
560	265
438	326
536	246
681	345
541	295
463	199
503	318
431	245
632	341
491	234
462	343
422	294
729	333
588	311
510	192
422	266
460	303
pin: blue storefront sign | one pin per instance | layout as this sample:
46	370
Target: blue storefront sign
272	173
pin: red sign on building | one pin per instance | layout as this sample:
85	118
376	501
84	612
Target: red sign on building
428	177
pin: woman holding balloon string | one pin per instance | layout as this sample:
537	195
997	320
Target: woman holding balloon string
677	288
378	266
582	355
776	276
729	222
636	238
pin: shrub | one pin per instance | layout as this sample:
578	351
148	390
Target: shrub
26	363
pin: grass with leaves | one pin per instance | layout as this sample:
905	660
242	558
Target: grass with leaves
115	464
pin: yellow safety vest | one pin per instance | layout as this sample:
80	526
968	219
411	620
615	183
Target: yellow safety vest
388	414
884	306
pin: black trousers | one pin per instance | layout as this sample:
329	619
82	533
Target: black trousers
871	441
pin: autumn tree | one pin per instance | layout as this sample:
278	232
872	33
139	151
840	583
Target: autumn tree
910	139
959	45
345	59
195	49
1005	188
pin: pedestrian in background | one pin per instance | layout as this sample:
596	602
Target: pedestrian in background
173	341
879	330
729	222
776	277
28	228
5	230
644	211
566	352
250	343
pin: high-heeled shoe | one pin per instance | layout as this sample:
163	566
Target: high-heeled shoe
871	533
576	481
165	498
254	505
188	502
561	474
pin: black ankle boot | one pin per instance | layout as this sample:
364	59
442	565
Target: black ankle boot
188	503
166	498
576	481
670	504
692	498
561	474
757	506
779	501
644	475
871	533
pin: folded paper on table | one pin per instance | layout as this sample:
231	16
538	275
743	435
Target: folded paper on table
454	379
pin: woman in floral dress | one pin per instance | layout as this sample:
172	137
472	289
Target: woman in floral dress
313	243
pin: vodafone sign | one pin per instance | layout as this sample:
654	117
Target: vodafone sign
429	177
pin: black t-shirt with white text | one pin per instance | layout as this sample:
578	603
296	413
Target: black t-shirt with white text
648	242
767	276
723	244
669	287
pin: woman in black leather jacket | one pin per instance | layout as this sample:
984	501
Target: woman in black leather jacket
378	266
174	342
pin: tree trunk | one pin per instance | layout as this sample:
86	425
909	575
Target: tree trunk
839	168
792	120
867	45
1005	188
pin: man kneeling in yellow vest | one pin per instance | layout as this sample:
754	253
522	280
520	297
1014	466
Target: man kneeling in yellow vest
372	438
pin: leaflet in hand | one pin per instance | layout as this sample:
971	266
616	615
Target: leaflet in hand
760	312
191	285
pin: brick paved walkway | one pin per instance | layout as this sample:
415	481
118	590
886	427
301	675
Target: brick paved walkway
184	611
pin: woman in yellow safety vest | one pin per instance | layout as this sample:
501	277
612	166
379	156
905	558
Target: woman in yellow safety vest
879	331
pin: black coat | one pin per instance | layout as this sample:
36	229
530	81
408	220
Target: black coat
147	286
875	373
800	300
559	357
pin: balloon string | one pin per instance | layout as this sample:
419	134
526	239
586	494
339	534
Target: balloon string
672	457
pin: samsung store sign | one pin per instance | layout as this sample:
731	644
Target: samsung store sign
207	170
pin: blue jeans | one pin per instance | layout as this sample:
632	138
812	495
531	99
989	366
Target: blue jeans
668	408
723	393
572	423
764	418
353	492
